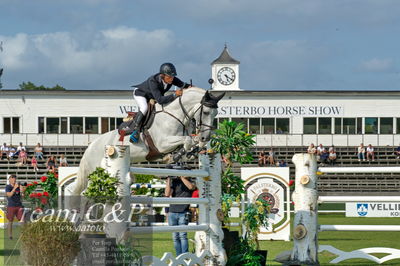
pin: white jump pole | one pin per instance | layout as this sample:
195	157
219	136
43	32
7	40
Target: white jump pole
169	172
371	170
341	199
343	227
305	226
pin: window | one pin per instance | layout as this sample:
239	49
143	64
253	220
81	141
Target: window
282	125
52	125
105	124
371	125
338	125
119	120
386	125
41	125
15	125
7	125
64	125
10	125
76	125
310	126
324	125
349	126
268	125
113	125
254	126
91	125
241	120
398	125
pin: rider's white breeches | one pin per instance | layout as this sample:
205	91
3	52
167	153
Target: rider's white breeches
142	102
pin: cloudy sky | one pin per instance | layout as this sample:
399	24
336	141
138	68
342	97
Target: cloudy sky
282	45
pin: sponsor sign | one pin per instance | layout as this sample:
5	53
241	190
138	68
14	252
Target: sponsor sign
373	209
270	184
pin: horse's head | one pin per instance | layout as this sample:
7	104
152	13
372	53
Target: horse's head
205	116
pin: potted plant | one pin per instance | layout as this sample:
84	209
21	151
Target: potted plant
254	217
234	144
49	242
246	250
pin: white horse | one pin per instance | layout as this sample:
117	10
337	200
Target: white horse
169	131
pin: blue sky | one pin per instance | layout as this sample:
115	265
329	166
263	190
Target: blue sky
282	45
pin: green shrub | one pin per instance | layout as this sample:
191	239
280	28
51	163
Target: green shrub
49	242
102	187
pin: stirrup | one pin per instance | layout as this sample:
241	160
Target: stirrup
134	137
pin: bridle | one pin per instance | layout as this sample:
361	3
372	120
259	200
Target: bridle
196	125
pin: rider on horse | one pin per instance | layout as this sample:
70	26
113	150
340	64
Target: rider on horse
154	88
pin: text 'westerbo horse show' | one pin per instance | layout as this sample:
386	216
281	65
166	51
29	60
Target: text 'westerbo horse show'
171	130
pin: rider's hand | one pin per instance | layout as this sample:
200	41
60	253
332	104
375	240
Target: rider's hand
178	93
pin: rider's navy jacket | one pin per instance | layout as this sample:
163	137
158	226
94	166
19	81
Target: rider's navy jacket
153	88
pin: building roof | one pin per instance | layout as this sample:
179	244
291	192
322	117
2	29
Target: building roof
225	58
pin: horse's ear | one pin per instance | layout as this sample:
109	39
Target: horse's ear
207	95
217	98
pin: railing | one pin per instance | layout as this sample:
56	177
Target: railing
32	139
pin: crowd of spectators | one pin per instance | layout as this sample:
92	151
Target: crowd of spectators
20	156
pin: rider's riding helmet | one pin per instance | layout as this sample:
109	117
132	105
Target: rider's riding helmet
168	69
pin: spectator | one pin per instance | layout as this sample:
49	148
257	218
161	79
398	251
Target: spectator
11	152
23	157
282	163
331	148
361	152
4	149
311	149
279	131
38	151
370	153
271	157
34	164
324	157
332	156
321	153
179	213
51	164
20	148
63	160
397	152
14	205
262	159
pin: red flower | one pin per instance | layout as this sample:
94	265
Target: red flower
29	185
35	183
291	183
46	194
39	195
56	176
32	195
44	201
43	178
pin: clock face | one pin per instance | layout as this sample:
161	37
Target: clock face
226	76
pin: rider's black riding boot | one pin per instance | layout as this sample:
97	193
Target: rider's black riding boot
134	137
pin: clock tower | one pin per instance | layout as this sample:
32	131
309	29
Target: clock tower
225	72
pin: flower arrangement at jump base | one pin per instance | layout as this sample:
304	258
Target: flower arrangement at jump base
47	198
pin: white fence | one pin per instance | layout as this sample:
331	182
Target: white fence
209	235
306	201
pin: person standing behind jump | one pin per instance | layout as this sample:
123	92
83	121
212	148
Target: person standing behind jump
154	88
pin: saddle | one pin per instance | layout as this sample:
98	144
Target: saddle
146	123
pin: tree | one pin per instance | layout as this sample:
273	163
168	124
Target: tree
30	86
